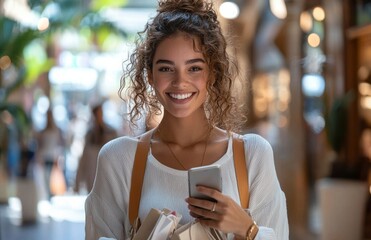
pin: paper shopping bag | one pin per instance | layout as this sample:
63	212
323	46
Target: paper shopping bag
190	231
57	180
148	224
157	225
195	231
165	226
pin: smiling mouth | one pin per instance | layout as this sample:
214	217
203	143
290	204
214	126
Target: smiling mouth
180	96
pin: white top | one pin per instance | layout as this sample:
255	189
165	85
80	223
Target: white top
107	204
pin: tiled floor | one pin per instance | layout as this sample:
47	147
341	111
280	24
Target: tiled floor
52	230
57	221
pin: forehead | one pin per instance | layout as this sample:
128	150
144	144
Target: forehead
179	44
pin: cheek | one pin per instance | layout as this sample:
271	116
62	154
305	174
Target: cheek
159	85
203	91
202	84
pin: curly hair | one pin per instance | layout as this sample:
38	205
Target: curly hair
196	18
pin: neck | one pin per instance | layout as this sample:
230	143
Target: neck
184	131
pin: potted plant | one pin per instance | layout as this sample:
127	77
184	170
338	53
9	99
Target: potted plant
343	194
336	132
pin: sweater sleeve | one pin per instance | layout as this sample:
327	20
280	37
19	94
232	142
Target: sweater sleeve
106	205
101	220
267	200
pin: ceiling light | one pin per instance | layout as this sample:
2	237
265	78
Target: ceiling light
229	10
306	21
278	8
319	14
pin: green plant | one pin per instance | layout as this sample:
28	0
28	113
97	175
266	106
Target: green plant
15	39
337	120
336	130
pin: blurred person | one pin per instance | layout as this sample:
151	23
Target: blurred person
75	137
13	148
50	149
181	68
97	135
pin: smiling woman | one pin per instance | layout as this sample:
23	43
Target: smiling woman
180	67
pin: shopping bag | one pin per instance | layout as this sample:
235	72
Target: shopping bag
157	225
195	231
148	224
165	226
57	181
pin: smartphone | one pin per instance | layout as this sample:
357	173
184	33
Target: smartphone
208	176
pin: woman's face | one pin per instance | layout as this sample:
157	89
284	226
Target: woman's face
179	75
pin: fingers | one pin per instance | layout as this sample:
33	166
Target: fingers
210	192
202	213
202	203
207	205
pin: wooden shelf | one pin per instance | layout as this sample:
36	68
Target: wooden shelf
356	32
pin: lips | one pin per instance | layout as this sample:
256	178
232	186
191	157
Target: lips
180	96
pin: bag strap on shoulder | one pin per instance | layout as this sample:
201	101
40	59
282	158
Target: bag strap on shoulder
140	162
137	176
241	171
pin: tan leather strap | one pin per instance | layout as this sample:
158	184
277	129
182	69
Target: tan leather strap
241	171
137	176
139	167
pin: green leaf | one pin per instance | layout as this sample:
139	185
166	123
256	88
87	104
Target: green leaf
37	68
22	121
36	61
7	27
17	43
96	5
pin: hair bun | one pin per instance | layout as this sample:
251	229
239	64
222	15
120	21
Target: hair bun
195	6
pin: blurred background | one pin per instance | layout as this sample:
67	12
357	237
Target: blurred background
305	82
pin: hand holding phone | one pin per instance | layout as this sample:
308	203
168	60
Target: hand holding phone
208	176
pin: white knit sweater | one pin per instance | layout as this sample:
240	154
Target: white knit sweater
164	187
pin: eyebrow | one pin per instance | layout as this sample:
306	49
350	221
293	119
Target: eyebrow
162	61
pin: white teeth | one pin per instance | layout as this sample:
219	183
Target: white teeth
180	96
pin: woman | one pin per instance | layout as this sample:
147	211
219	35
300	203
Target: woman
181	68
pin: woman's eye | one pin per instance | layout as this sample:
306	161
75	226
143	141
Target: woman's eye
164	69
195	69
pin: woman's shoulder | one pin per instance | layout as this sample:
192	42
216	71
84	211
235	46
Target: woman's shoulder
122	140
258	152
120	144
256	141
117	155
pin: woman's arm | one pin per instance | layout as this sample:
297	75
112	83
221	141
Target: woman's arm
106	205
267	200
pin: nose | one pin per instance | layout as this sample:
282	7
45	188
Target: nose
180	80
